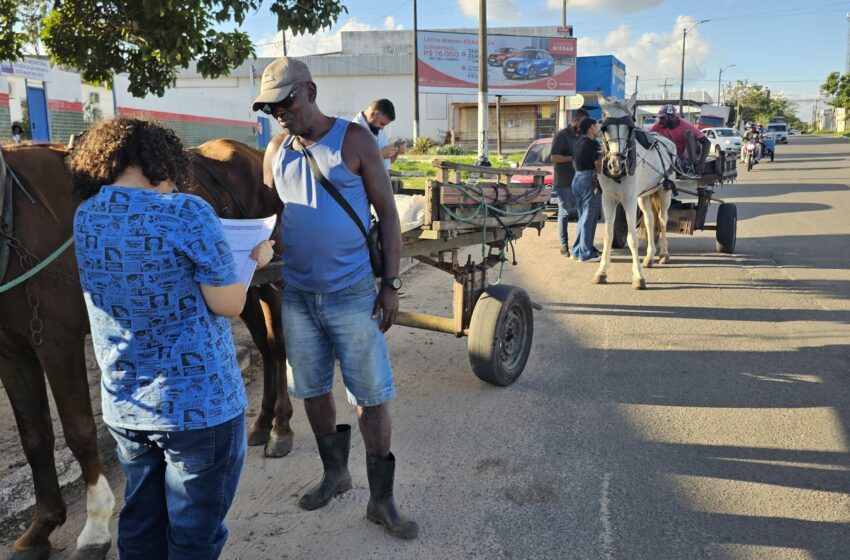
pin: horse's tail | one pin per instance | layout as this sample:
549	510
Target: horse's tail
655	203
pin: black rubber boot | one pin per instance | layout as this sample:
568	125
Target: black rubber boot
333	449
381	508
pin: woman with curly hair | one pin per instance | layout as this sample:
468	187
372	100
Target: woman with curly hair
159	283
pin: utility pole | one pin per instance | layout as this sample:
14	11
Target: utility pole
719	76
665	89
483	108
562	101
415	76
738	103
283	38
682	80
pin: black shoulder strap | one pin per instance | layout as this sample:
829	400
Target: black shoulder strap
332	190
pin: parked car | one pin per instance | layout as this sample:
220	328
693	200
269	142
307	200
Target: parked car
529	64
791	131
723	139
500	56
538	156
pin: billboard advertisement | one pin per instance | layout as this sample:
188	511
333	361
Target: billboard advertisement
516	66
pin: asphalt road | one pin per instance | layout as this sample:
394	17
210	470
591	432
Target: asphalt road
706	417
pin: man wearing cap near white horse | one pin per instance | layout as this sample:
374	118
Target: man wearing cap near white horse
685	136
331	307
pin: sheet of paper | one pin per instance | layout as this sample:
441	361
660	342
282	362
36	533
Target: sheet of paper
243	236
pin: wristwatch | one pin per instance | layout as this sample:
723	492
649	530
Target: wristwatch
393	282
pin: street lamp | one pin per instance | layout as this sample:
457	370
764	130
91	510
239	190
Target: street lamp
719	75
682	81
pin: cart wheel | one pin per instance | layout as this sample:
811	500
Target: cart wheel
727	228
772	153
749	164
500	334
621	229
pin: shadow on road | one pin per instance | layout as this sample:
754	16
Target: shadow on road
675	496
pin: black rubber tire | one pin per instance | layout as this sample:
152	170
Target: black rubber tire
772	153
727	228
532	73
749	163
621	229
500	334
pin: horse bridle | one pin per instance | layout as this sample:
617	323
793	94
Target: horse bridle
617	160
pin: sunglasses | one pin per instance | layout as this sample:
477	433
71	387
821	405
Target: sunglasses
284	103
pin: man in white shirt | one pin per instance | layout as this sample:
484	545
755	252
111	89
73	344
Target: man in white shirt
375	117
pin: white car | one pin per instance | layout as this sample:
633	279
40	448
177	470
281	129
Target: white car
723	139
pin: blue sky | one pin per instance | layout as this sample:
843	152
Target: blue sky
788	45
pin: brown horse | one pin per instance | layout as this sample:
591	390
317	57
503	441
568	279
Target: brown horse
43	323
219	166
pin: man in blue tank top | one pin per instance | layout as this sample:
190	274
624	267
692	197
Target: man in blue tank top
331	305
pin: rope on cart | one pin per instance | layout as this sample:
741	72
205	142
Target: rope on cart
476	193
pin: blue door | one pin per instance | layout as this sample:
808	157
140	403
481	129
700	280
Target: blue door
37	107
262	132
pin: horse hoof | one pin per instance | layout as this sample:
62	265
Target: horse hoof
279	446
91	552
647	263
258	437
600	279
663	260
639	284
30	554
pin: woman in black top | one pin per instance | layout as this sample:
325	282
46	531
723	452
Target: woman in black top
586	161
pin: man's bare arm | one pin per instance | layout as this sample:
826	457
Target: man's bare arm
561	159
268	159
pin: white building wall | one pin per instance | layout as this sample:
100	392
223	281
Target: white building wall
224	98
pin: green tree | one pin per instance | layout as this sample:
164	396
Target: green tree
152	39
759	105
838	87
33	13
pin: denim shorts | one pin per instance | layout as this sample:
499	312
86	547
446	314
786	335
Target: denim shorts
320	328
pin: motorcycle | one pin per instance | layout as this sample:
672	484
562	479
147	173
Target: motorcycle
749	156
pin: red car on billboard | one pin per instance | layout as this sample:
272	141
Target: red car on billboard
500	56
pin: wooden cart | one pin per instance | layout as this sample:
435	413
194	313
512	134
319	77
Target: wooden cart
689	216
497	319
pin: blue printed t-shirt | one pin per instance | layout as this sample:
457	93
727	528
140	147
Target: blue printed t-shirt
167	361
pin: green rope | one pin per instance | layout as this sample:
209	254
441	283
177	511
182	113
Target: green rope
484	206
37	268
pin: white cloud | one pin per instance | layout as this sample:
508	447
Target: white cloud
326	41
599	5
654	56
497	10
390	24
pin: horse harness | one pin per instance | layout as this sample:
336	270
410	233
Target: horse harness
648	141
29	263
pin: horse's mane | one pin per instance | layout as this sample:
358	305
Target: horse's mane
617	105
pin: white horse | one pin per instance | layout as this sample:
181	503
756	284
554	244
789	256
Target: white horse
633	176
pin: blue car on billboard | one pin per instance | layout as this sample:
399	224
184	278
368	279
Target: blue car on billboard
529	64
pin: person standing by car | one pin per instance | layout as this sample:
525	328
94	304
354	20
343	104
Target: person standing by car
331	307
586	160
173	397
375	117
563	171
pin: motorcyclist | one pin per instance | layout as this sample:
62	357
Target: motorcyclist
751	134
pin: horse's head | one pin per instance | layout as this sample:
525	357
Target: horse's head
617	128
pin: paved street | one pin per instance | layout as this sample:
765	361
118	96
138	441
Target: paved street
706	417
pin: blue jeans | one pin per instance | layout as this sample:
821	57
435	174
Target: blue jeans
180	485
565	202
338	324
588	210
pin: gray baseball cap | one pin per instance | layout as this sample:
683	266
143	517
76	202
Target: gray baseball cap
278	79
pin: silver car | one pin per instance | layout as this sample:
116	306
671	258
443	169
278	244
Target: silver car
723	140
